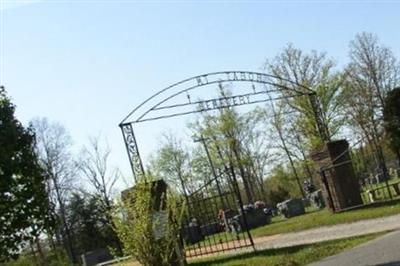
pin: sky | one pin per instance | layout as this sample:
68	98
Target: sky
87	64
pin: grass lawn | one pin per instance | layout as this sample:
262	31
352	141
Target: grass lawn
381	190
314	219
310	220
323	218
292	256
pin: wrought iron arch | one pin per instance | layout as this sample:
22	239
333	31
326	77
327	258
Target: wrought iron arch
159	103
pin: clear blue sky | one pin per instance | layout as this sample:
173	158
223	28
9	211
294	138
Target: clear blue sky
86	64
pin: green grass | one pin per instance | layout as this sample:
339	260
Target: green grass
312	219
381	191
292	256
324	218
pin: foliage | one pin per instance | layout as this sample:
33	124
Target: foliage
234	140
94	166
24	206
51	258
315	71
281	185
151	237
53	145
172	163
391	115
89	223
372	73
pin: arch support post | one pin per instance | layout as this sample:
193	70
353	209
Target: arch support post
133	151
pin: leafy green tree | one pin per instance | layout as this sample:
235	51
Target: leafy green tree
94	166
228	132
53	145
89	222
280	185
371	74
24	206
172	163
391	115
315	71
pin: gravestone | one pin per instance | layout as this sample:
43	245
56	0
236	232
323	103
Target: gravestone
340	186
95	257
254	218
192	234
292	207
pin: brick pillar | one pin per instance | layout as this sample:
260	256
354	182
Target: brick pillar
340	187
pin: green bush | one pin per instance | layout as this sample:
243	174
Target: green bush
148	236
51	258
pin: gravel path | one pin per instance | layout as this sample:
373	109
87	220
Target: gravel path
329	233
321	234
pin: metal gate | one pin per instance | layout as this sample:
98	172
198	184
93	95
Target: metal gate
216	219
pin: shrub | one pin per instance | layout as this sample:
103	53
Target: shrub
151	237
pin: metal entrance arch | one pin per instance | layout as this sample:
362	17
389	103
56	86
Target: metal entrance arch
159	106
202	231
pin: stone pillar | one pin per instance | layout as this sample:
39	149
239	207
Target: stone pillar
340	186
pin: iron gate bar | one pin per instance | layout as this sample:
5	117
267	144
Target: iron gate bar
216	245
241	207
214	196
203	141
203	186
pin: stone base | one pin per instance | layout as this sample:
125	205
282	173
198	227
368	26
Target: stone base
340	187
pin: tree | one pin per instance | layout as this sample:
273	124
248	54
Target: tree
279	123
172	164
391	115
23	199
53	144
258	150
89	223
280	186
94	166
373	66
372	72
315	71
227	132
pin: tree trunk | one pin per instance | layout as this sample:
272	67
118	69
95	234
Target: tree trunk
398	161
39	248
68	241
35	259
285	148
246	184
